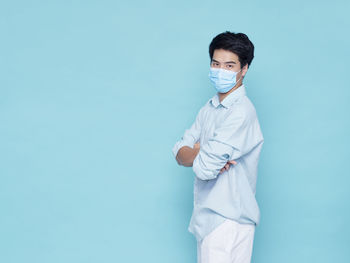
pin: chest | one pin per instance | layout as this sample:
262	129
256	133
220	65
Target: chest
212	118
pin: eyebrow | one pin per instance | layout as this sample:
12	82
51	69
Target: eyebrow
227	62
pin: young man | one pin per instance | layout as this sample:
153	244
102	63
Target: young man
223	147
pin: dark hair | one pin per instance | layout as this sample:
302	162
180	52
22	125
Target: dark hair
237	43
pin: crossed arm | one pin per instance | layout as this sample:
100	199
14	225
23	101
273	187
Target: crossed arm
211	160
186	156
232	139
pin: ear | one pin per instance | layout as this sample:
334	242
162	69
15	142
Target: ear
244	70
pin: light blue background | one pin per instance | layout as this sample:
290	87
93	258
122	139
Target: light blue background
94	94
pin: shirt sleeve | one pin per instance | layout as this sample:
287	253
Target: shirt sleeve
191	135
232	139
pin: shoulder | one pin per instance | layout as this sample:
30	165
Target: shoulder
242	109
202	110
204	107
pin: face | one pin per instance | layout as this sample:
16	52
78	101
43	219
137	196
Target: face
228	60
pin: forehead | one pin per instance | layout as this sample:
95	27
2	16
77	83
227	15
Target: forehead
222	55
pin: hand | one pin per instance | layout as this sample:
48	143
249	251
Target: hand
227	165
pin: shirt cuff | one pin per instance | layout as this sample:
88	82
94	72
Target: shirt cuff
201	172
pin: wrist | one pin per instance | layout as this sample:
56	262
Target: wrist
195	151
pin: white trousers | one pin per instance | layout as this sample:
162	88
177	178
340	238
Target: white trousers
230	242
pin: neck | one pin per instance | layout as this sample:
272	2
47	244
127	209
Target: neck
224	95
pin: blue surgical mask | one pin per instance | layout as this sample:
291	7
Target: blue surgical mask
223	79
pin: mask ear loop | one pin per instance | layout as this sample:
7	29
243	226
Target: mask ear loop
240	77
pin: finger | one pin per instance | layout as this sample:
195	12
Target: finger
232	162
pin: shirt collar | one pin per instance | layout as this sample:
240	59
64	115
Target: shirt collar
230	98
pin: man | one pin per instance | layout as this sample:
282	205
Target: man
223	147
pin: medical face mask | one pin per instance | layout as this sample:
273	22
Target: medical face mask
223	79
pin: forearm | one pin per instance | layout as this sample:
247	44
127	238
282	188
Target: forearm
186	155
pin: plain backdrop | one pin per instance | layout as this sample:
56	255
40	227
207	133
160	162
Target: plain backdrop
94	94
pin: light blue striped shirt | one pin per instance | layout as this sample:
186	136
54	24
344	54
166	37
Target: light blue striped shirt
229	130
